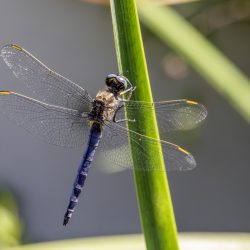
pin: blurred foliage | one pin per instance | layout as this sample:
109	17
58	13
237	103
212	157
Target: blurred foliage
188	241
10	226
220	14
154	1
201	54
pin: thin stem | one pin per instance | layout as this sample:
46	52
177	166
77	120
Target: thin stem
153	193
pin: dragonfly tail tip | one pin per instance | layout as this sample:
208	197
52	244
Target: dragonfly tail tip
66	220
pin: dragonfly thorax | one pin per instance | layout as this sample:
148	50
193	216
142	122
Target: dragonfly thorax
103	107
96	114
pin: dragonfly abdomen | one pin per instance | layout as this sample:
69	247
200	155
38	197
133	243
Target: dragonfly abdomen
94	139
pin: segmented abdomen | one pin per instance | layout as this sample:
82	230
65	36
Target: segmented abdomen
94	139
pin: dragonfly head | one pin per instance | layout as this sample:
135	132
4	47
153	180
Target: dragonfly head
116	83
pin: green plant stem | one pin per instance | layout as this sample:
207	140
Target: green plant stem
153	194
208	61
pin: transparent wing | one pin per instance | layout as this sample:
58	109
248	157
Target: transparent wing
47	85
171	115
115	138
56	125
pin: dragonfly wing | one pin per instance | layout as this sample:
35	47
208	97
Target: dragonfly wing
171	115
115	138
47	85
56	125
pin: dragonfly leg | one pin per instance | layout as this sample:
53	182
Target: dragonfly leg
124	120
121	120
130	90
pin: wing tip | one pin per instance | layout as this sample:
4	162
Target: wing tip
192	162
16	47
192	102
202	107
183	150
13	46
189	158
5	92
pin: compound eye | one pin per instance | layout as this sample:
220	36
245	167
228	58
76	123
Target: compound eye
110	79
122	81
111	76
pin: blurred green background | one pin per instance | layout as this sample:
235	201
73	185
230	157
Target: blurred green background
75	39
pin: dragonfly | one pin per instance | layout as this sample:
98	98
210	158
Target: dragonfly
64	114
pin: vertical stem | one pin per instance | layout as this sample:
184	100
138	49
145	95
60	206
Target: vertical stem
153	193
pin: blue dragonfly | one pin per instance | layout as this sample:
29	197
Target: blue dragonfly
65	114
